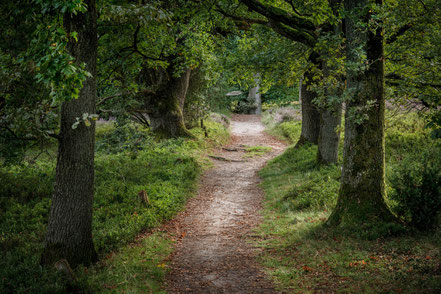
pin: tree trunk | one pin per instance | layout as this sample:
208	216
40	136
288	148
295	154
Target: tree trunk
310	113
166	115
330	117
69	232
254	95
184	81
329	135
362	190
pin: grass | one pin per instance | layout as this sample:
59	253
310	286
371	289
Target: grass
302	255
128	160
137	268
253	151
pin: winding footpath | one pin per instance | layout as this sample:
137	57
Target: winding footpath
212	254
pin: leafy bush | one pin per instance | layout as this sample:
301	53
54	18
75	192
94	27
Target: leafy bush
416	187
126	137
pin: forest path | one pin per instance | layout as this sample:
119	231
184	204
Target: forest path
212	254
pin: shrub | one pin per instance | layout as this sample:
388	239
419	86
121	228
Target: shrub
121	138
416	190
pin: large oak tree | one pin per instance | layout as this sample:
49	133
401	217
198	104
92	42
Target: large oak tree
69	233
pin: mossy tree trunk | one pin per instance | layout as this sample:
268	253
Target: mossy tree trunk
362	190
310	113
166	105
69	232
330	116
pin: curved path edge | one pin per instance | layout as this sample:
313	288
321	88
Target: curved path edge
212	254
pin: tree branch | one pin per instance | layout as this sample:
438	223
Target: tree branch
107	98
298	23
295	10
398	33
291	33
240	18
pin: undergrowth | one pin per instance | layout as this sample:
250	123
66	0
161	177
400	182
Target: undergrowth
304	256
128	160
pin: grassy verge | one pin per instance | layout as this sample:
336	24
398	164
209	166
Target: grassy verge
304	256
128	160
136	268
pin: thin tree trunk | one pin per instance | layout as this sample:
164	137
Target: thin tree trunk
69	232
362	190
166	116
310	113
254	95
329	135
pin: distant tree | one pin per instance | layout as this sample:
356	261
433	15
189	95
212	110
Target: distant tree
148	52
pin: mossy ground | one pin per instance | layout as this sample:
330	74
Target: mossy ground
303	255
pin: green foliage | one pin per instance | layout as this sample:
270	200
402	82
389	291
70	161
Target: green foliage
128	161
280	95
37	73
126	137
277	60
416	184
413	170
55	68
413	47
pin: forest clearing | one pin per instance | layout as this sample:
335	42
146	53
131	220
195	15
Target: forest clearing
220	146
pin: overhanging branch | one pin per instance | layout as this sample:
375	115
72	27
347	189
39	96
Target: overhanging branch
276	14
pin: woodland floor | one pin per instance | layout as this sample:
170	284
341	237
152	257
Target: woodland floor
212	254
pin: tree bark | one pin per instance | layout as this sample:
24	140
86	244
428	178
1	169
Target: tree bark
254	95
310	113
330	117
69	232
184	81
166	115
329	135
362	190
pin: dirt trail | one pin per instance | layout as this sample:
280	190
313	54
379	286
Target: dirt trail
212	255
